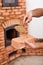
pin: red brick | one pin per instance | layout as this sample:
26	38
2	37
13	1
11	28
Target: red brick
6	8
20	0
5	14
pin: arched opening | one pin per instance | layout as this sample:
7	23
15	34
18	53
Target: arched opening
10	33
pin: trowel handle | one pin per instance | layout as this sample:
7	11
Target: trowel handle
26	18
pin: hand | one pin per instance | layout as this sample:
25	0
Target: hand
28	17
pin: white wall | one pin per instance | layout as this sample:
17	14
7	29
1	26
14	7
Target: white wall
32	4
35	27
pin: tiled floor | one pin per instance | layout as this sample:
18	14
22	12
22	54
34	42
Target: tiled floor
28	60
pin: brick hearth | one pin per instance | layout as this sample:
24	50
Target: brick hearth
21	45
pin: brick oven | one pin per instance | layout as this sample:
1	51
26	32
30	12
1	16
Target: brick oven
10	31
13	33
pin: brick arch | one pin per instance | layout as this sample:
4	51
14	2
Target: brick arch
10	23
3	26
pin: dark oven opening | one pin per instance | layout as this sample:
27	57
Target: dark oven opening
10	33
9	3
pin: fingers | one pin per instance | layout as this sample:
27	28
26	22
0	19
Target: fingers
28	20
28	17
25	18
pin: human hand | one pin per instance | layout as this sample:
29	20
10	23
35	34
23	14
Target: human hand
28	17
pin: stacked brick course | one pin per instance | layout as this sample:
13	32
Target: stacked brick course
7	13
7	18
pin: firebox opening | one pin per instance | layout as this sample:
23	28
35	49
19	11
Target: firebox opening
12	54
10	33
23	50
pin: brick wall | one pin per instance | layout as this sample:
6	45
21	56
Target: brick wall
7	13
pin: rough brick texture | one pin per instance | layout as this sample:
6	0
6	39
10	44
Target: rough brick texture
8	16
